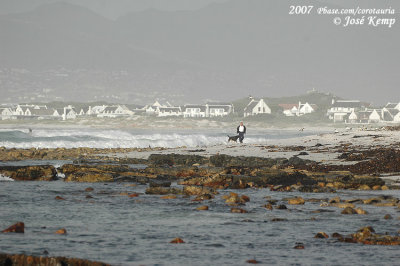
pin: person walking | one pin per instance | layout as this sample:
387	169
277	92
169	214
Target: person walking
241	130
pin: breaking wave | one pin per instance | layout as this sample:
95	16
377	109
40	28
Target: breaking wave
5	178
98	138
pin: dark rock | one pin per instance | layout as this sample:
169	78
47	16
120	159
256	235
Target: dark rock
238	210
30	173
296	161
21	259
163	191
337	235
202	208
299	246
296	201
334	200
278	220
321	235
367	235
204	197
253	261
176	159
388	217
349	210
61	231
268	206
15	228
195	190
159	183
223	160
322	210
177	241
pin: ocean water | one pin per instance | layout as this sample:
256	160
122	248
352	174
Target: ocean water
136	231
107	138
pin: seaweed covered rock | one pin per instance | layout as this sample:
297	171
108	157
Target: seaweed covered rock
366	235
21	259
176	159
163	191
30	173
222	160
15	228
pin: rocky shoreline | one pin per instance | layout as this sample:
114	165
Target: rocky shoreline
216	171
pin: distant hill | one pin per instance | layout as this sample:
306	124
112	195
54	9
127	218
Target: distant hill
221	52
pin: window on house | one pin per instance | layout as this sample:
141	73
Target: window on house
259	109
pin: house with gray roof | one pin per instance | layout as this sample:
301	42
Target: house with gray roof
389	114
255	107
393	106
341	109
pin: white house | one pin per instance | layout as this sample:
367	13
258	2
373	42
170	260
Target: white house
342	108
115	111
169	111
6	113
353	118
306	108
25	110
157	103
396	118
388	115
69	113
298	109
149	109
256	107
98	109
109	111
369	116
58	113
374	117
193	110
221	109
87	111
18	111
289	109
154	108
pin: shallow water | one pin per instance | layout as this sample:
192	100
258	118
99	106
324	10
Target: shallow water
132	231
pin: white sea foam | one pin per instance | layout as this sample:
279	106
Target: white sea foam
5	178
99	138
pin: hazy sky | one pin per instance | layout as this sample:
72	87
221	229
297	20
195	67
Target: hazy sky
224	51
115	8
109	8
